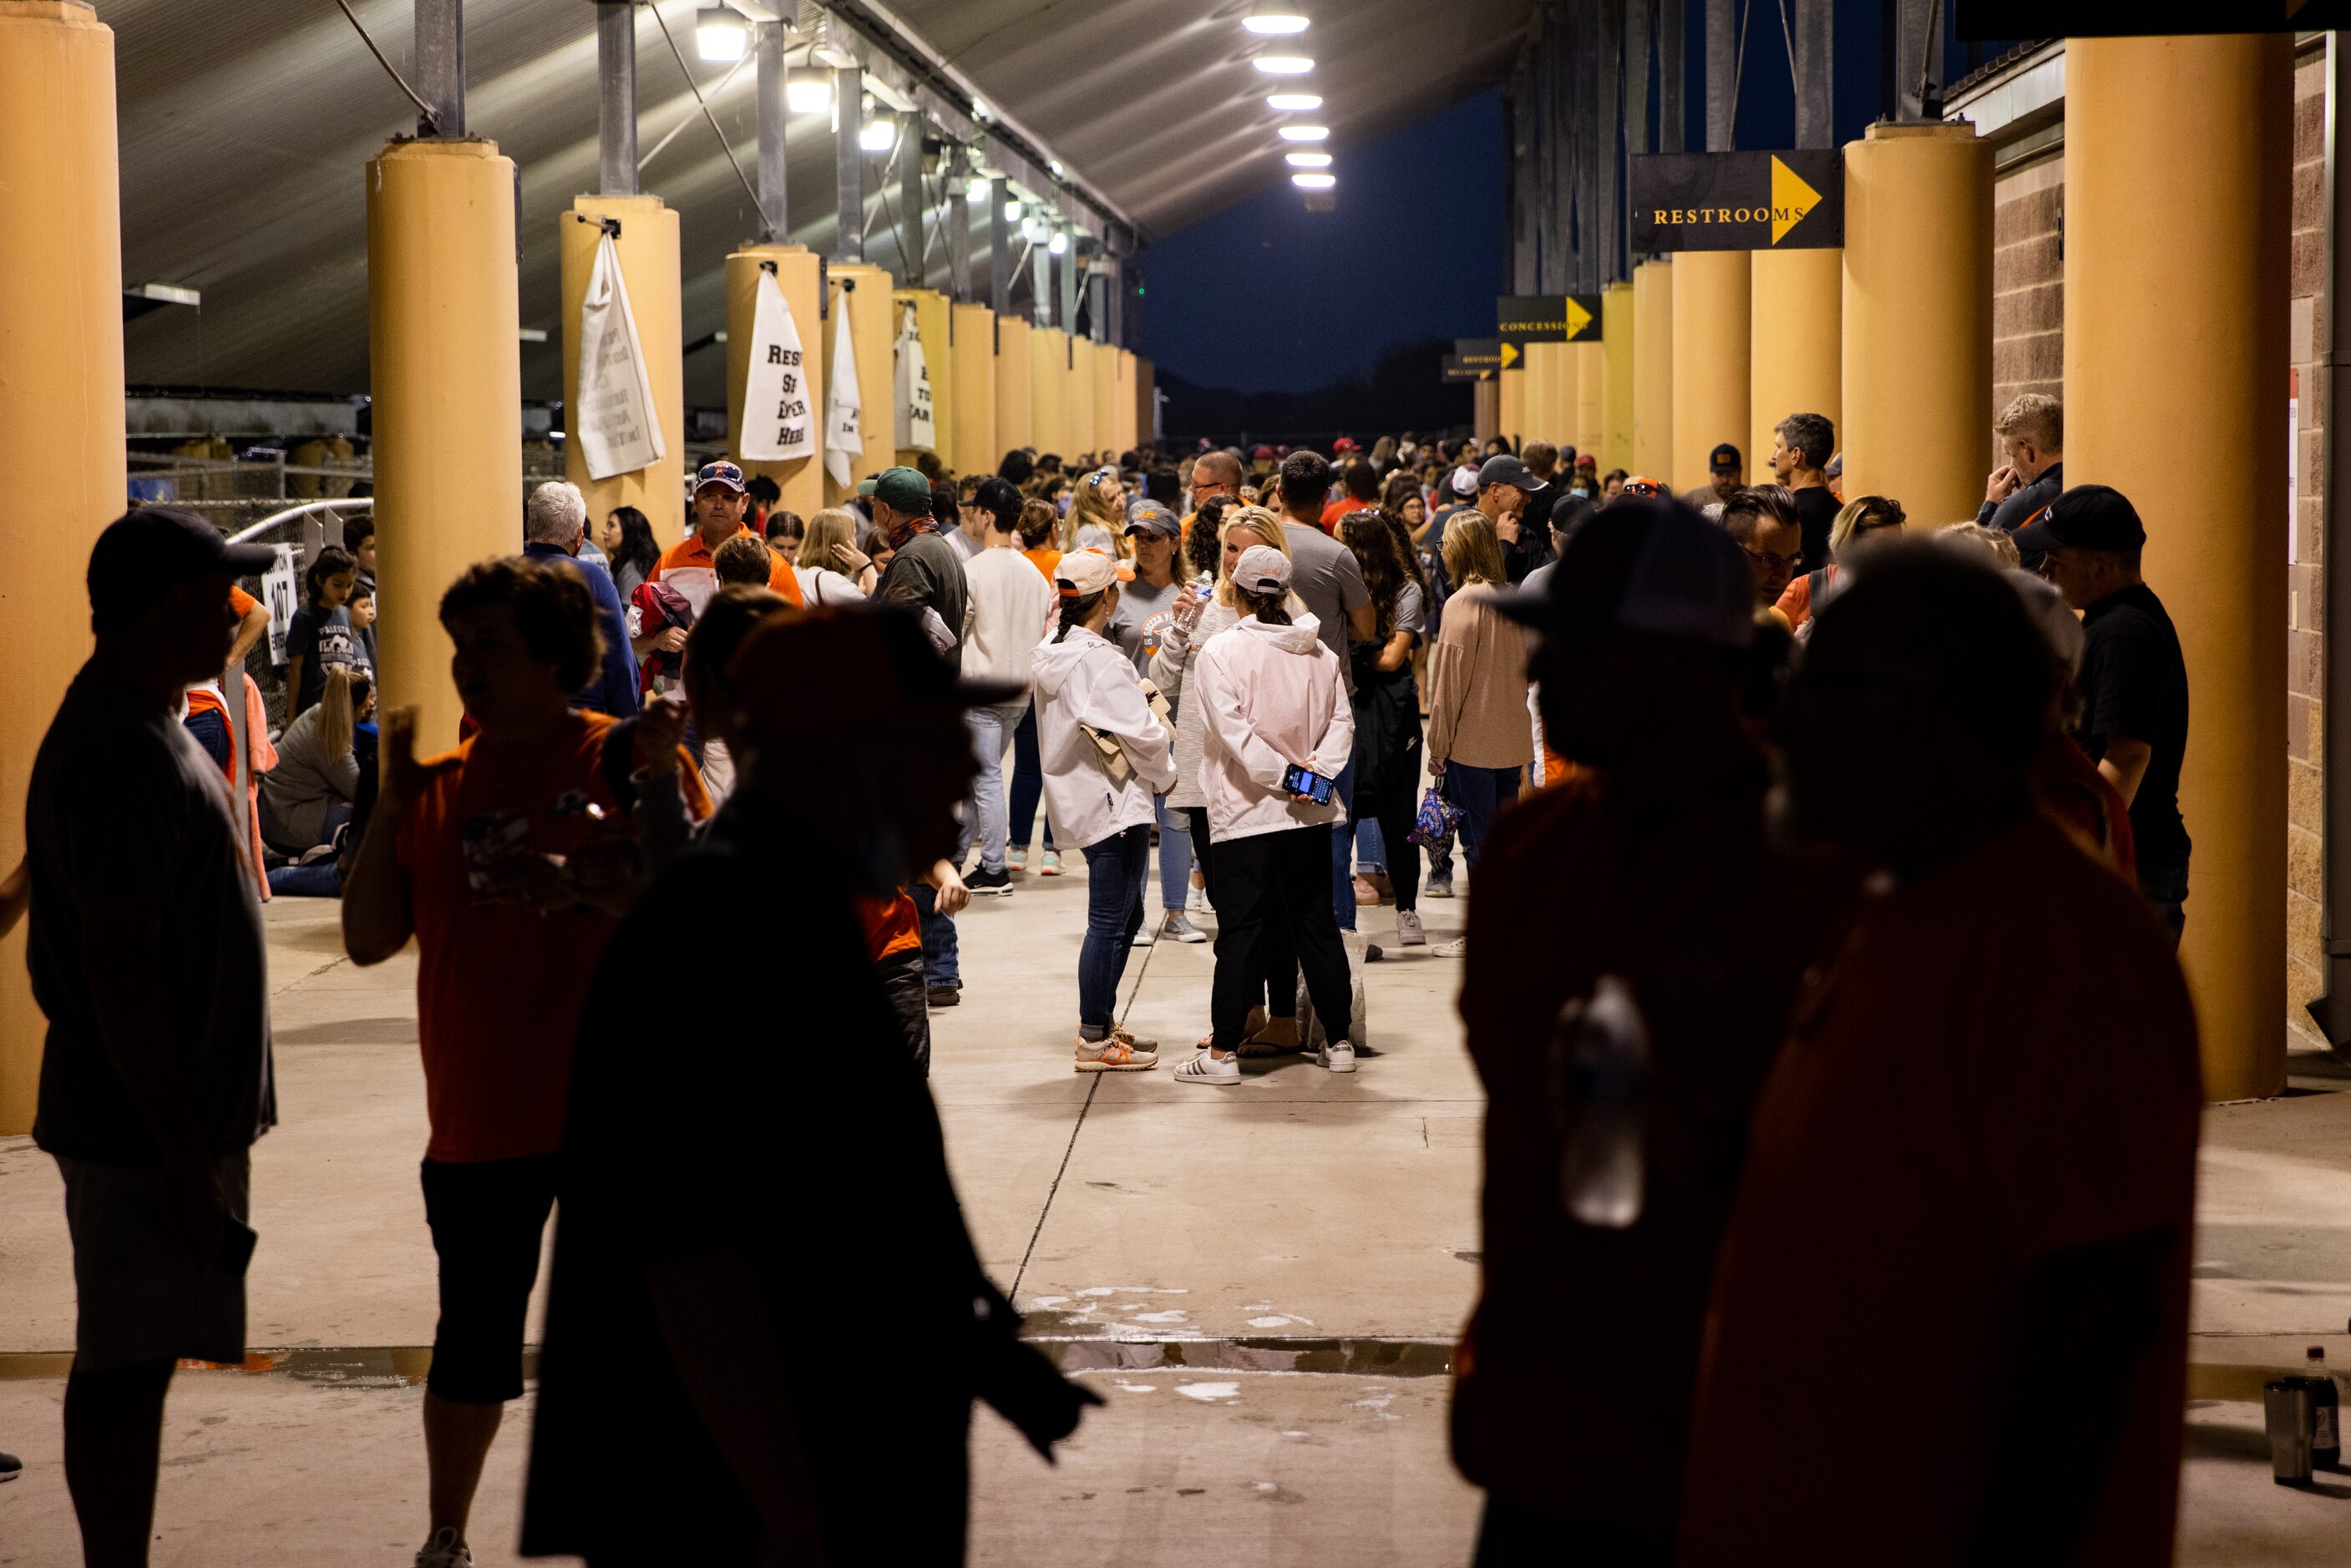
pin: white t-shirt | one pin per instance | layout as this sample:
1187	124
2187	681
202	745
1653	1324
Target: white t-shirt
823	586
1008	606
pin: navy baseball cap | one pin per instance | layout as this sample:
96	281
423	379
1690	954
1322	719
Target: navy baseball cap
1723	459
2086	517
719	473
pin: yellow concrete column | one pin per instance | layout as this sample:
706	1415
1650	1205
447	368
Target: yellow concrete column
648	252
1591	360
1146	399
1078	401
1049	392
1616	331
931	310
1513	400
1543	416
1653	369
1917	319
864	290
800	275
976	449
1796	365
1485	410
1710	328
1016	420
445	363
1122	402
2178	152
62	475
1106	399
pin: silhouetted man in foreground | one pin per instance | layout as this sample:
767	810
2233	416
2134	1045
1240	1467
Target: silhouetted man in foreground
1649	870
736	1150
146	955
1968	1193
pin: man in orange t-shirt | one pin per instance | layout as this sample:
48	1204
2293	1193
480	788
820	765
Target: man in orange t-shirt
206	718
689	565
502	860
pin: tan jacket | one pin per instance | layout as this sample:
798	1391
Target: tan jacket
1478	686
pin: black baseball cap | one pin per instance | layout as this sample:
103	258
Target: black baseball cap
1653	566
1504	469
1000	499
2086	517
149	550
1725	456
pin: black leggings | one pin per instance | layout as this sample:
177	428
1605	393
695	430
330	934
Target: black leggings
1272	884
1278	960
1396	814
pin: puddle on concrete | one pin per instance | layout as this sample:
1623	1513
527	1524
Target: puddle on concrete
1268	1352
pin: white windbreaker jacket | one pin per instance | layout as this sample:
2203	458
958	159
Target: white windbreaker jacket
1086	680
1270	696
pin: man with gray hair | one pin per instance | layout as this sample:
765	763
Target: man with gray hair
554	522
2032	432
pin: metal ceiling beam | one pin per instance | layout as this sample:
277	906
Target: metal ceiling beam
616	98
441	65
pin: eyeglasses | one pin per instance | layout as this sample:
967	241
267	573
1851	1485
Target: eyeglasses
1766	558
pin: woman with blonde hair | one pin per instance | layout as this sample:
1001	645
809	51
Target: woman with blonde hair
1097	519
1479	739
817	566
1864	520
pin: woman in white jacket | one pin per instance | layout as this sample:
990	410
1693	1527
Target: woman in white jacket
1272	699
1105	756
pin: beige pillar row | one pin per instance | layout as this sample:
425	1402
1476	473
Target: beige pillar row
1591	361
1652	370
1916	386
647	247
1710	347
1618	347
932	324
2178	157
1077	400
1016	420
1795	364
1511	405
1547	409
62	471
864	290
799	273
1049	391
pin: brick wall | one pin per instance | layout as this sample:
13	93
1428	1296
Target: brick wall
2028	273
2305	585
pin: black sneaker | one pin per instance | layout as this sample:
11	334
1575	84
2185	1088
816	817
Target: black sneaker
984	883
946	995
9	1465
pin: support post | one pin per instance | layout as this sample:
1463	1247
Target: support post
774	111
2138	112
1616	341
441	65
975	446
1796	359
1041	284
2331	1010
915	268
1918	60
1608	157
959	211
1722	75
648	251
616	98
1065	312
849	165
1673	79
999	249
62	471
1815	26
1016	423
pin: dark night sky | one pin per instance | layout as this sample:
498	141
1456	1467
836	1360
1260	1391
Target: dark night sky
1265	297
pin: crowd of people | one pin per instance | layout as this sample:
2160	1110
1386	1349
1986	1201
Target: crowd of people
1717	1198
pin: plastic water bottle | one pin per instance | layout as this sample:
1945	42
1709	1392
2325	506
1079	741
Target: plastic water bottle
1600	1058
2326	1425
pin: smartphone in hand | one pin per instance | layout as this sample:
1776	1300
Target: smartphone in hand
1308	784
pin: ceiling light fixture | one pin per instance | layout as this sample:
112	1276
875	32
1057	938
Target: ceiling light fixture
720	35
1011	212
1283	64
1294	102
1308	160
1306	133
880	134
975	191
1314	182
809	90
1059	244
1275	16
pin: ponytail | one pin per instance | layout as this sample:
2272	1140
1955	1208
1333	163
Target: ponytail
1075	608
1272	608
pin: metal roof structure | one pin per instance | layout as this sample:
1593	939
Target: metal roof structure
246	127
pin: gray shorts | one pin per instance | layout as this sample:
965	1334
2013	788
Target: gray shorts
139	1298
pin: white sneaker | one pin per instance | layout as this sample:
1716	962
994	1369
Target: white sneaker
1195	902
1338	1058
1410	932
1205	1069
1452	949
1180	928
1115	1055
1146	934
443	1551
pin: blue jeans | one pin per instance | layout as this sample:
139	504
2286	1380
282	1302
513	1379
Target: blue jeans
318	879
1175	856
992	730
211	730
939	966
1117	868
1371	847
1479	792
1028	784
1342	852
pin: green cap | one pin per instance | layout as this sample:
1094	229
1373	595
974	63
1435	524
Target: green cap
865	487
903	490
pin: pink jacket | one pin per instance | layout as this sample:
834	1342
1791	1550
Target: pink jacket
1271	697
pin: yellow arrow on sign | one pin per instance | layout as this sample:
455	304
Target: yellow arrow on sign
1791	200
1578	318
1510	356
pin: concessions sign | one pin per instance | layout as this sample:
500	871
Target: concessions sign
1738	201
1523	318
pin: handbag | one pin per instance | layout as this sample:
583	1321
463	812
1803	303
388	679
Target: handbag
1433	825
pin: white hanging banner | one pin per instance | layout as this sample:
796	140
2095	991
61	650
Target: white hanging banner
778	426
619	431
843	441
911	396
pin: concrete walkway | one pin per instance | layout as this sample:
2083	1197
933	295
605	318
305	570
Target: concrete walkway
1263	1280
